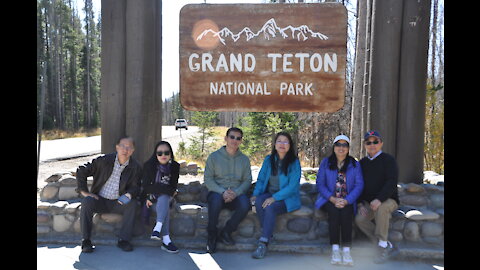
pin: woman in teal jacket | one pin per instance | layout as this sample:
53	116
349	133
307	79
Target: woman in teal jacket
277	190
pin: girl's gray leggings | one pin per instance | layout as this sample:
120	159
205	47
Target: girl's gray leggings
163	213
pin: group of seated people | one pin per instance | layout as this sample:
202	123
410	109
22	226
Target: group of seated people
348	190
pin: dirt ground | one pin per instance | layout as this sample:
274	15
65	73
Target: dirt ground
46	169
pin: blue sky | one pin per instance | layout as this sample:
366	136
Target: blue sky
81	5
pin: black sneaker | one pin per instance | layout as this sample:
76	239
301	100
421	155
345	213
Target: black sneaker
124	245
156	235
170	248
87	246
384	254
212	244
261	250
226	238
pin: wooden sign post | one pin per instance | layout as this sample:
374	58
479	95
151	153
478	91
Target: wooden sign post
263	57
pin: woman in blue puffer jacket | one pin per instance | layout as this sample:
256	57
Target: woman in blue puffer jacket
339	183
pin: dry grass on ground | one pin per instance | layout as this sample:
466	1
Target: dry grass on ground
62	134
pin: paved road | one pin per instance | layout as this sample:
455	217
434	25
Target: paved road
174	137
65	257
52	150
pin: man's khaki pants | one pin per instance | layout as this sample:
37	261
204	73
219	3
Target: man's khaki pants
378	230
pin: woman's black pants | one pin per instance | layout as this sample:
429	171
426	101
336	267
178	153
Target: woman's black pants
340	223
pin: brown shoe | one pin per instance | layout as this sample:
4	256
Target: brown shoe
226	238
124	245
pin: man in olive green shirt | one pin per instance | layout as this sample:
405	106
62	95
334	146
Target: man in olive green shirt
228	177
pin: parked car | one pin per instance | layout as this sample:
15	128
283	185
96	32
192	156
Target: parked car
181	123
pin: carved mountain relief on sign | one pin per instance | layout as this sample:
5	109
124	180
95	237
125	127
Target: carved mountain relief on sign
268	31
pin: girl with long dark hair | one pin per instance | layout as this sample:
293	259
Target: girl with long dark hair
159	182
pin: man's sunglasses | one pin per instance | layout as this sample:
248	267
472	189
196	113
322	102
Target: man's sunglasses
369	142
161	153
235	138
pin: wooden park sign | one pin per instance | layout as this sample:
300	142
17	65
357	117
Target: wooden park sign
263	57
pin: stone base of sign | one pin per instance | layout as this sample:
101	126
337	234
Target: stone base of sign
418	222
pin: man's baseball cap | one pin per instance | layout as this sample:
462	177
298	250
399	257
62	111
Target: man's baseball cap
371	133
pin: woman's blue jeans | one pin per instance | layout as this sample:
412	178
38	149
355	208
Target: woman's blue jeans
267	215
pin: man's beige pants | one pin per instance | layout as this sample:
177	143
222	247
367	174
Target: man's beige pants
378	230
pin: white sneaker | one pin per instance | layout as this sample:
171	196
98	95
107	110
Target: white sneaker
347	258
336	257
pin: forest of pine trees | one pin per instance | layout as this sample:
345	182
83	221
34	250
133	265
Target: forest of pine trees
68	65
68	84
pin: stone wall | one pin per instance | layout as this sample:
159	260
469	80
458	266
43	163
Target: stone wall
419	219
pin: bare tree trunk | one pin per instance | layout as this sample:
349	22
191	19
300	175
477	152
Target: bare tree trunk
113	66
60	74
56	52
365	123
356	115
54	86
385	69
41	112
49	108
88	103
434	43
412	91
73	71
314	156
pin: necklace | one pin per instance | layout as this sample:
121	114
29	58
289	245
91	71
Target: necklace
340	164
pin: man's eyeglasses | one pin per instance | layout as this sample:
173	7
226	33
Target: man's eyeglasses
161	153
369	142
127	148
235	138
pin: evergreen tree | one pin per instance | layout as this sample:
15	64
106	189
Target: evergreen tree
259	130
61	50
200	146
434	130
